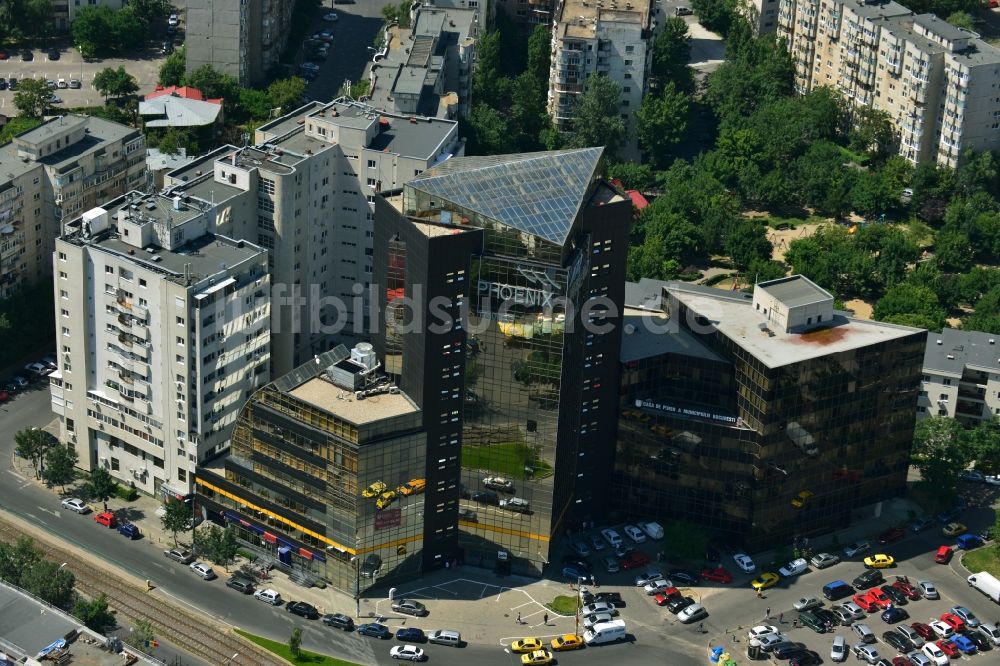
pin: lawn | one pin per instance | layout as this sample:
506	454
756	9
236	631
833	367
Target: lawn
564	605
508	459
983	559
305	657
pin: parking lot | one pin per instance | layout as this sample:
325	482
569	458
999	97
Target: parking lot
145	67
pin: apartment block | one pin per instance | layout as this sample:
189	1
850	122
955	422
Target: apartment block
600	37
762	14
242	38
306	191
961	377
162	333
426	69
50	174
64	11
935	81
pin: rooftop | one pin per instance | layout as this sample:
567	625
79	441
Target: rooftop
795	291
287	123
949	351
648	333
179	111
579	18
206	256
186	92
324	394
732	314
537	193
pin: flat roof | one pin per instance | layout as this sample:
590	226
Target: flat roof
795	291
648	333
207	256
288	122
733	315
419	138
965	348
340	402
579	17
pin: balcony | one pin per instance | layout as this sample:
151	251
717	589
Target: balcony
970	393
125	376
125	339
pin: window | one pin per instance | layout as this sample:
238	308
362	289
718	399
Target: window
115	464
629	48
180	359
62	275
63	294
182	475
142	282
944	396
64	312
371	164
180	340
266	186
109	269
62	256
180	321
65	331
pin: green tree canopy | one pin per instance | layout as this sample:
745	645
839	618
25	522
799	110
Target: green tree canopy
95	614
747	243
633	176
49	582
177	517
214	84
910	304
662	122
941	452
117	83
101	486
60	465
671	52
287	93
596	120
32	444
173	69
32	98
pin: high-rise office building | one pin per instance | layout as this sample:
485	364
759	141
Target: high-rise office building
961	377
601	37
163	329
326	474
519	396
242	38
935	81
52	173
762	417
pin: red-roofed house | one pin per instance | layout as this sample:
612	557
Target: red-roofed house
187	92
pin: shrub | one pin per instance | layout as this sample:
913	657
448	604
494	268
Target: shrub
127	493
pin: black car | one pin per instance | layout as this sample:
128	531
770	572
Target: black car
375	630
485	497
27	55
12	83
3	84
339	621
411	635
240	584
712	554
303	609
894	593
683	576
577	561
898	641
807	658
675	606
613	598
826	616
980	641
785	649
868	579
53	55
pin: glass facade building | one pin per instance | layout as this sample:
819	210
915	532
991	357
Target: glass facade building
761	434
529	251
327	474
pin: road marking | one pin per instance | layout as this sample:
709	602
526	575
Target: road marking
10	471
53	512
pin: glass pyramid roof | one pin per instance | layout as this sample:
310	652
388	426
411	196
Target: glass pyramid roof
537	193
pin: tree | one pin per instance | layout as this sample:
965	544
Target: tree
295	642
50	582
287	93
60	465
527	111
151	10
671	52
17	558
173	68
217	543
177	517
872	131
101	486
213	83
255	103
684	541
941	452
716	15
984	446
141	637
633	176
595	118
32	98
539	53
32	444
961	20
95	614
488	64
662	122
915	303
115	83
747	243
952	250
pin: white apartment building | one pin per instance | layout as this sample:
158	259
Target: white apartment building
935	81
961	376
242	38
51	173
163	331
609	37
306	192
762	14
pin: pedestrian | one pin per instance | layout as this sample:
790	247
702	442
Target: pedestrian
767	613
545	619
519	617
701	627
781	618
760	593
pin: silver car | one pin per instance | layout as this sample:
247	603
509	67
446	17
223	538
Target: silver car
611	564
202	570
864	632
838	651
599	607
596	618
807	603
928	590
911	635
824	560
866	653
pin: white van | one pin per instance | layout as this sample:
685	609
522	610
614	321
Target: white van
653	530
605	632
612	537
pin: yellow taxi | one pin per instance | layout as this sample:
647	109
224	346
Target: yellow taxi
537	658
412	487
374	489
385	499
879	561
954	529
766	580
526	645
567	642
801	499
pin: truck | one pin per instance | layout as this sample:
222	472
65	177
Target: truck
605	632
987	584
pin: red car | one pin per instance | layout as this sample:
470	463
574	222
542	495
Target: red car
911	592
891	535
663	598
943	555
949	648
953	621
106	518
901	661
718	575
880	598
924	630
867	602
4	396
635	559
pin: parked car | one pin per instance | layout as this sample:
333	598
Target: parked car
856	548
129	531
717	575
866	653
269	596
341	621
838	651
744	562
908	590
864	632
375	630
891	535
910	634
331	17
928	590
677	604
897	640
240	584
613	598
178	555
407	653
868	578
202	570
683	577
610	564
920	524
75	505
954	529
894	615
764	581
943	554
967	616
924	630
410	635
499	483
824	560
879	561
897	596
635	560
692	613
634	533
652	529
794	568
302	609
579	547
38	369
106	518
972	475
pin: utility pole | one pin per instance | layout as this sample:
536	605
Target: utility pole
579	602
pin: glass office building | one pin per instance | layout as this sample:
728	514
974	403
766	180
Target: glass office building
326	474
529	251
764	417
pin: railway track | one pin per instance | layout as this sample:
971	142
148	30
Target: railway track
170	622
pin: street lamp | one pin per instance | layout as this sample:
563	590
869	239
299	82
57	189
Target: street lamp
357	585
579	602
